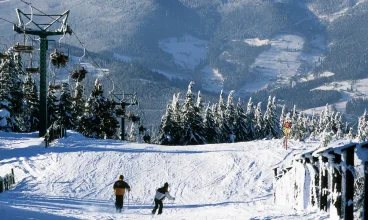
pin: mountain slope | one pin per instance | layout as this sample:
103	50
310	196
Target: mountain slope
74	177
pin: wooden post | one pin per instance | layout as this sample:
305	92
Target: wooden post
274	191
366	191
336	185
349	184
13	176
286	140
315	190
324	185
1	184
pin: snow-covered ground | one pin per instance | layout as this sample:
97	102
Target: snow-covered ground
283	59
73	179
212	79
187	51
360	90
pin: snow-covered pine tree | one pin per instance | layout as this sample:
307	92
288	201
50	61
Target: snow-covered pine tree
241	126
52	106
78	102
132	133
339	125
363	127
12	104
282	116
313	124
249	116
167	127
229	118
271	123
299	133
326	135
209	125
177	120
192	121
350	134
98	120
258	122
220	117
31	112
66	118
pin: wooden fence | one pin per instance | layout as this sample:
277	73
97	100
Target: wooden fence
327	179
54	132
7	181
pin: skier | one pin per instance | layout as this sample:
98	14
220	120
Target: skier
161	193
119	190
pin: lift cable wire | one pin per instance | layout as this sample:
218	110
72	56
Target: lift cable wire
81	43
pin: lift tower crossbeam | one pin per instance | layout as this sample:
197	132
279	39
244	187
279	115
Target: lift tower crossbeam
42	30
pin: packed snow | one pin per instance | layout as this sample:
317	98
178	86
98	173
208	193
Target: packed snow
73	178
187	51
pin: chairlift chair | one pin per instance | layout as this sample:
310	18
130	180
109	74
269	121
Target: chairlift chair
32	69
58	59
23	48
79	75
3	56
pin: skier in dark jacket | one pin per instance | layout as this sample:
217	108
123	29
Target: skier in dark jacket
161	194
119	190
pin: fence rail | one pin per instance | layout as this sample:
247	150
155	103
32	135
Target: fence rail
331	179
7	181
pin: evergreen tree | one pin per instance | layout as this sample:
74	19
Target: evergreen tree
177	120
249	116
52	106
192	120
66	108
282	116
167	128
271	123
363	127
229	118
241	126
132	133
350	134
78	103
220	120
12	104
98	120
258	122
209	125
31	112
313	126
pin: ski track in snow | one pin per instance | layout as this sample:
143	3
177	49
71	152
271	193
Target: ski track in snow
73	179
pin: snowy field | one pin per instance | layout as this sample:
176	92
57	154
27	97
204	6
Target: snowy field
187	51
73	179
212	79
282	60
360	90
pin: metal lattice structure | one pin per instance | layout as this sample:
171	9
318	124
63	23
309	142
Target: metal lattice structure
43	30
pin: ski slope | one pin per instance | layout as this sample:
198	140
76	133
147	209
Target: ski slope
73	179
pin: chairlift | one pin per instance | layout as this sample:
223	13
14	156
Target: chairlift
80	73
32	69
59	59
55	86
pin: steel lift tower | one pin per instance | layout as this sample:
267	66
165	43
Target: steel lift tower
42	29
